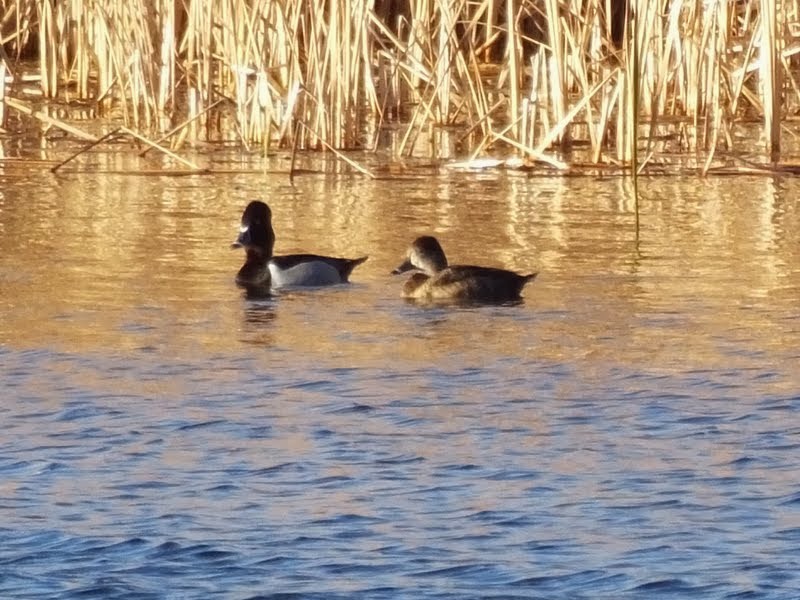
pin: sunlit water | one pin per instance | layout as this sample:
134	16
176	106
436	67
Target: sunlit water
632	429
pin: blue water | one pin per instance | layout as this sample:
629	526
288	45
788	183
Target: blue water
632	430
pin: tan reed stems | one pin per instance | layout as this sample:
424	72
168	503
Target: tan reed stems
513	59
349	161
160	148
182	127
634	38
96	142
771	77
164	66
293	159
557	60
115	134
2	95
46	119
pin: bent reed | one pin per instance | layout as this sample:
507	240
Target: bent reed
538	77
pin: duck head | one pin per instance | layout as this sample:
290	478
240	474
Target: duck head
256	233
258	239
425	254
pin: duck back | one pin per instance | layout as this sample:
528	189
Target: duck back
311	269
470	283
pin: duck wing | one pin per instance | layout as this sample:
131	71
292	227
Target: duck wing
344	266
489	283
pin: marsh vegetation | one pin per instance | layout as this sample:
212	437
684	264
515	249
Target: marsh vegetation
623	81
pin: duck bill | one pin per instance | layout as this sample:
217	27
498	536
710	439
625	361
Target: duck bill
406	266
244	239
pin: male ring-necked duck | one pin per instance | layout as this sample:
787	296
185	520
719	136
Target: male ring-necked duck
435	280
261	269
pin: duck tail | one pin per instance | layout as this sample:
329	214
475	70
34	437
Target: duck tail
529	277
350	264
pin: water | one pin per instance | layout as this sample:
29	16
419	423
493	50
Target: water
629	431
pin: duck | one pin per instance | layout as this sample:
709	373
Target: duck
435	280
263	270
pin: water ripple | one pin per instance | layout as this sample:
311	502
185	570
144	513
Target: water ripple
629	431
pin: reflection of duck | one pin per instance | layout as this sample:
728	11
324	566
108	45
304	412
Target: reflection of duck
437	281
259	313
261	269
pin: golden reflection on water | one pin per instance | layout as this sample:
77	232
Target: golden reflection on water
121	290
113	263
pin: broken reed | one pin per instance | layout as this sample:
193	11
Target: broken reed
529	74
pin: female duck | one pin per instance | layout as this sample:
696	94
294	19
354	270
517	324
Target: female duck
261	269
437	281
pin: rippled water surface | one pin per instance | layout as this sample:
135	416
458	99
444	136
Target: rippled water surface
631	430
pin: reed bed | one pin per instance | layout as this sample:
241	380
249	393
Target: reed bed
630	81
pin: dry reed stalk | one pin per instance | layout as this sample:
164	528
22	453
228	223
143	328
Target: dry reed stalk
157	62
439	73
634	40
533	152
581	42
487	131
407	62
717	62
469	88
166	172
349	161
48	44
166	60
80	41
444	31
117	133
533	98
480	102
2	94
526	135
160	148
454	78
182	126
47	119
621	129
608	100
513	56
432	107
546	109
770	77
294	154
557	131
197	46
99	39
419	35
556	63
110	135
648	32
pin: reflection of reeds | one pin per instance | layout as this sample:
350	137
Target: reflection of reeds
526	74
